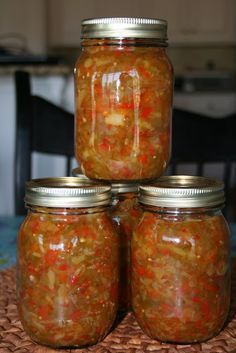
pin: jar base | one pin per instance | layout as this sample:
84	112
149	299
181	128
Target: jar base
125	181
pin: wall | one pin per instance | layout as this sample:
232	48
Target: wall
23	24
31	19
50	86
191	58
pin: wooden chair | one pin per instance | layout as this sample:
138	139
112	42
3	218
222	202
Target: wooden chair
41	126
202	141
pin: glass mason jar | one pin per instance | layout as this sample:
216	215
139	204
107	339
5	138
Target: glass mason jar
68	260
181	260
126	214
123	96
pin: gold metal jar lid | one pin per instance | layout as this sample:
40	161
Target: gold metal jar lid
120	188
124	27
183	191
116	188
67	192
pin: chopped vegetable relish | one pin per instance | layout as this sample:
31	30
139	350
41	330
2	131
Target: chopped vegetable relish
181	275
126	214
67	276
123	98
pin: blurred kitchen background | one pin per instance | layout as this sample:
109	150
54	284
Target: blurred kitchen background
43	37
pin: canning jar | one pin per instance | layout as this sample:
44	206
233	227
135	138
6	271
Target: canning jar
123	96
126	214
181	260
67	268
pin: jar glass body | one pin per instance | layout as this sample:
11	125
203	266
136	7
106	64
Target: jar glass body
123	95
181	274
67	275
125	213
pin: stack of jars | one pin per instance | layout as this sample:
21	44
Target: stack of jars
76	266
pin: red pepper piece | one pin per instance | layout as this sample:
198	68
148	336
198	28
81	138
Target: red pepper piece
144	72
34	225
196	300
105	145
143	158
146	112
76	315
51	257
142	271
63	267
127	106
31	269
44	311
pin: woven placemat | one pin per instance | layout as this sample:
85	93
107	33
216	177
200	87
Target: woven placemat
127	337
